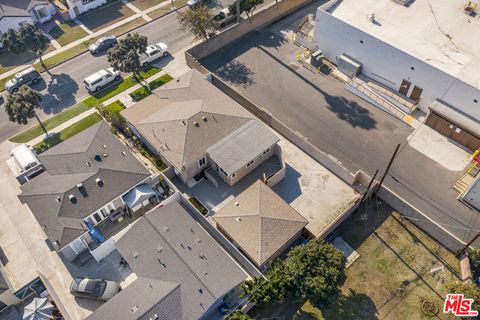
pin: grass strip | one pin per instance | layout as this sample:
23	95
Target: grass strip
67	133
142	93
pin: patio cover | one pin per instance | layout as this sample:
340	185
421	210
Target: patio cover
138	195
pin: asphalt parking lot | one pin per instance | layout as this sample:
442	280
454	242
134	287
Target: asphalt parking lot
263	67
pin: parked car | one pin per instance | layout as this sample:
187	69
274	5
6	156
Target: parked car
154	51
102	44
224	18
94	288
28	76
100	79
194	3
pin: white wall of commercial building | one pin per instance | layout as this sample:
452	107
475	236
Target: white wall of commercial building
389	65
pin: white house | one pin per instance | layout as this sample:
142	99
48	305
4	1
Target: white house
78	7
14	13
424	52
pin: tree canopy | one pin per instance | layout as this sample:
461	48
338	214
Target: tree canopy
469	290
314	270
247	6
237	315
27	38
125	55
198	21
21	105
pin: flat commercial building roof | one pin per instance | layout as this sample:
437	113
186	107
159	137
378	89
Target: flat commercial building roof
435	31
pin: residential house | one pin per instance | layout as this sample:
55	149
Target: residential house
260	223
84	195
14	13
78	7
199	131
183	274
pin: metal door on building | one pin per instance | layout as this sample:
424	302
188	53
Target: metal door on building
416	93
404	87
453	131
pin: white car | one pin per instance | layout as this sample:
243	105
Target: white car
94	288
154	51
100	79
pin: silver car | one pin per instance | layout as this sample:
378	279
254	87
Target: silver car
94	288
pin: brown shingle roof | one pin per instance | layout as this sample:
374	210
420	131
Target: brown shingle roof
260	221
185	117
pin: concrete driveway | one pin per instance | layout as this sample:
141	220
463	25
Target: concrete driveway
262	66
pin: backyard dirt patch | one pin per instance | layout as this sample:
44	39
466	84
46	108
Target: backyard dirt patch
106	15
390	280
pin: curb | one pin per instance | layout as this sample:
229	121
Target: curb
80	53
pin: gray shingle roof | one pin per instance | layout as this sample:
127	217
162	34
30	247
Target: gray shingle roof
260	221
242	145
18	8
142	300
185	117
169	245
91	154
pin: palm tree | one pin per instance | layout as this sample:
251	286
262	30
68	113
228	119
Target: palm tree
21	106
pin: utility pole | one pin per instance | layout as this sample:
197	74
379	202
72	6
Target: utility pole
388	168
173	6
238	11
369	185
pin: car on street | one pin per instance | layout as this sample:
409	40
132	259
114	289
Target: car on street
97	289
102	44
100	79
223	18
28	76
153	52
194	3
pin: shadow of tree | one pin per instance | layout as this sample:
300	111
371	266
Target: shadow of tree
61	91
236	73
350	111
352	306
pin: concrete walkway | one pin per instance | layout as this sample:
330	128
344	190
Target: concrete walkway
92	35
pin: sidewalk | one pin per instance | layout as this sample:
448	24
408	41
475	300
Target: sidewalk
90	36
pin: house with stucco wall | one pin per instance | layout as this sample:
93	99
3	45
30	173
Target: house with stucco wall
14	13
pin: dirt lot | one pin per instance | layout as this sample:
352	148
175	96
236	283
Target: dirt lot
390	280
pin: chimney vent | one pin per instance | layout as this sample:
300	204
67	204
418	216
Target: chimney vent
196	124
99	182
72	198
204	119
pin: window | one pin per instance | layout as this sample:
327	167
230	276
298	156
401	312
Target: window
265	152
97	217
202	162
250	163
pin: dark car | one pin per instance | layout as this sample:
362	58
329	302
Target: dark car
102	44
28	76
94	288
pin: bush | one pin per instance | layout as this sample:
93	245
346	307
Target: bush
474	256
198	205
469	290
111	114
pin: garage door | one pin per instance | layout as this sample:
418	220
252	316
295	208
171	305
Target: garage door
453	131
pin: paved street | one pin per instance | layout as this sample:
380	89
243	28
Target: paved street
262	66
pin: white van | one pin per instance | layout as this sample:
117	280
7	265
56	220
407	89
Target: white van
100	79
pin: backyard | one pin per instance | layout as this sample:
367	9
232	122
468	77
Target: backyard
399	268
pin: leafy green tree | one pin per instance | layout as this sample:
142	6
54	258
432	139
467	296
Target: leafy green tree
247	6
469	290
198	21
27	38
125	55
314	270
474	256
21	105
237	315
317	269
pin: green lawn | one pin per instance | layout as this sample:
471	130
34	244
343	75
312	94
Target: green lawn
115	106
142	92
67	32
67	133
79	108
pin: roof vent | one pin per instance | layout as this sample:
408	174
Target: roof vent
99	182
202	256
196	124
238	219
105	155
124	153
104	146
88	164
200	290
135	254
178	80
183	121
204	119
237	204
159	249
134	308
72	198
198	240
165	228
58	199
